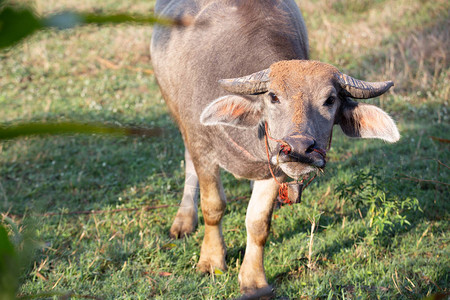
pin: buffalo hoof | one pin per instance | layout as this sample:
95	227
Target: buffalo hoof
212	258
211	266
184	224
262	293
251	282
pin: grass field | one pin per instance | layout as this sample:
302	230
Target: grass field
381	211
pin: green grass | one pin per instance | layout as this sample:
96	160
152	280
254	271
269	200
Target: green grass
128	254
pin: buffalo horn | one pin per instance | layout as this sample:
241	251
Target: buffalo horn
252	84
362	89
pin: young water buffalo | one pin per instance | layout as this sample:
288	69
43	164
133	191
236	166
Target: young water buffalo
223	121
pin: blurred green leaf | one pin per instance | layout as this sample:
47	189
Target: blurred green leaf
64	20
16	24
16	253
40	129
124	18
71	19
8	267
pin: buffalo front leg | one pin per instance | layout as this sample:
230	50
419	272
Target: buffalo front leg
187	218
257	222
213	202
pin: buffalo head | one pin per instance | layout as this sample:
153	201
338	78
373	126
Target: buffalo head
301	100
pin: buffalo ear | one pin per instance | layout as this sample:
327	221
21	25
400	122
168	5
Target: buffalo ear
233	110
367	121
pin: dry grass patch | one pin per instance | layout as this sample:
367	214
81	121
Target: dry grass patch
420	60
406	41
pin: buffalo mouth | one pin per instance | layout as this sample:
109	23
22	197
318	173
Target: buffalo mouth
297	166
295	172
296	154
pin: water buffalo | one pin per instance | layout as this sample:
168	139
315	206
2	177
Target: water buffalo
237	75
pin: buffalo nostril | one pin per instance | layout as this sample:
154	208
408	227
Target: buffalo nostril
311	147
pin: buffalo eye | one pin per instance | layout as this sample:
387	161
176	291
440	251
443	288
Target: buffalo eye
274	98
330	101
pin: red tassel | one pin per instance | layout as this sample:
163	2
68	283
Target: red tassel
283	193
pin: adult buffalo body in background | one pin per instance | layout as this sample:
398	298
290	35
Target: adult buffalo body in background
238	66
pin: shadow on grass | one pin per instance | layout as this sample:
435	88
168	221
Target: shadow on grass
90	172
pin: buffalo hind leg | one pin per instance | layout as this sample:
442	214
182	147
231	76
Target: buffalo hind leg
187	218
213	202
259	213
